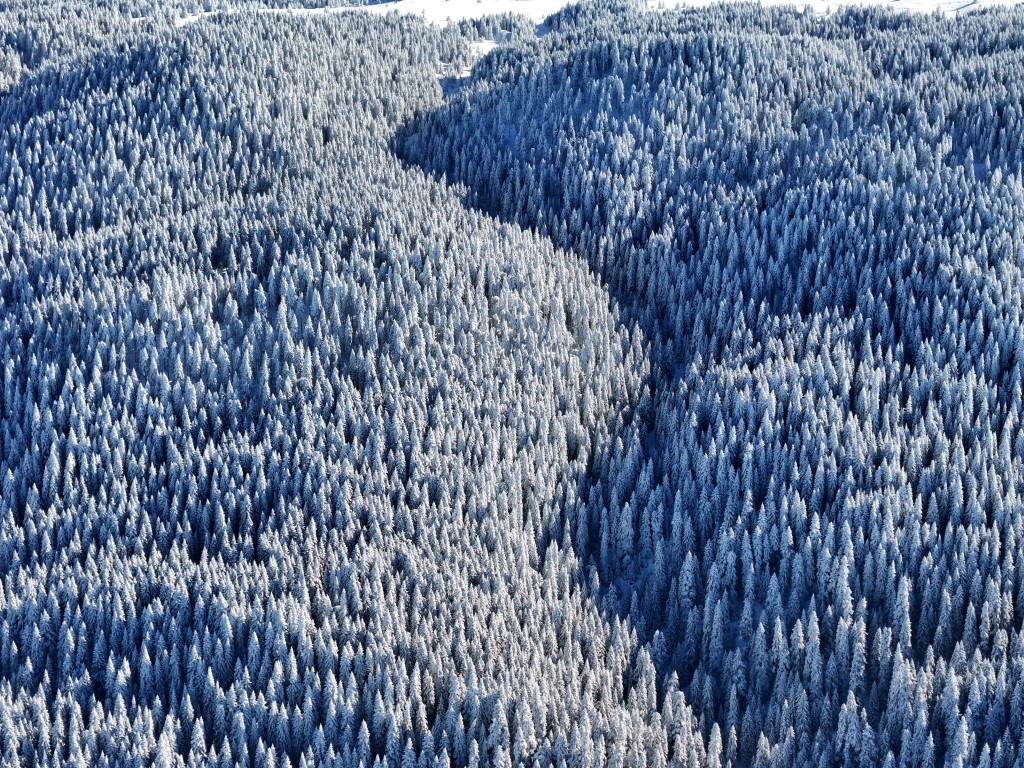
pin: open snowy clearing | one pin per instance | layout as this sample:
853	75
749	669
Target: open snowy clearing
445	11
435	11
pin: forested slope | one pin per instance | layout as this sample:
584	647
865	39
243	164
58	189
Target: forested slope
817	225
288	435
652	398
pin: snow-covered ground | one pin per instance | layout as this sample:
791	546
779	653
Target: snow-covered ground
479	49
443	11
436	11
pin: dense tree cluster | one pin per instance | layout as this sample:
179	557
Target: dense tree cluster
288	434
694	439
815	522
34	32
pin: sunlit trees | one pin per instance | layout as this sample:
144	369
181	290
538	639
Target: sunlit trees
304	461
812	225
259	419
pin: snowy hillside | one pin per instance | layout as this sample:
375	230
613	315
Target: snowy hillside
605	388
440	11
446	11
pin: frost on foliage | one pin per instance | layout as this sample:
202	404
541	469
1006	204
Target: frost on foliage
288	435
816	225
693	440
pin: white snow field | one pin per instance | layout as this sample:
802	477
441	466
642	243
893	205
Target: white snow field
436	11
444	11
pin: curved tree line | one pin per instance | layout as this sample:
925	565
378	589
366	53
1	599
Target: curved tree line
287	434
692	440
815	222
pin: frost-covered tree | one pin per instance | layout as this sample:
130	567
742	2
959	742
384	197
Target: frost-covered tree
810	222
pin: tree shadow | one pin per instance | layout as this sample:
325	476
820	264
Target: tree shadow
525	147
493	140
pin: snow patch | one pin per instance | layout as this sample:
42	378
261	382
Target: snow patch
434	11
184	21
447	11
478	50
444	11
451	79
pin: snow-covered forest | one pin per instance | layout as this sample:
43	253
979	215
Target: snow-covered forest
650	396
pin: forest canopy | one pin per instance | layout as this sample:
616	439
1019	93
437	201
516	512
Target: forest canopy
648	396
